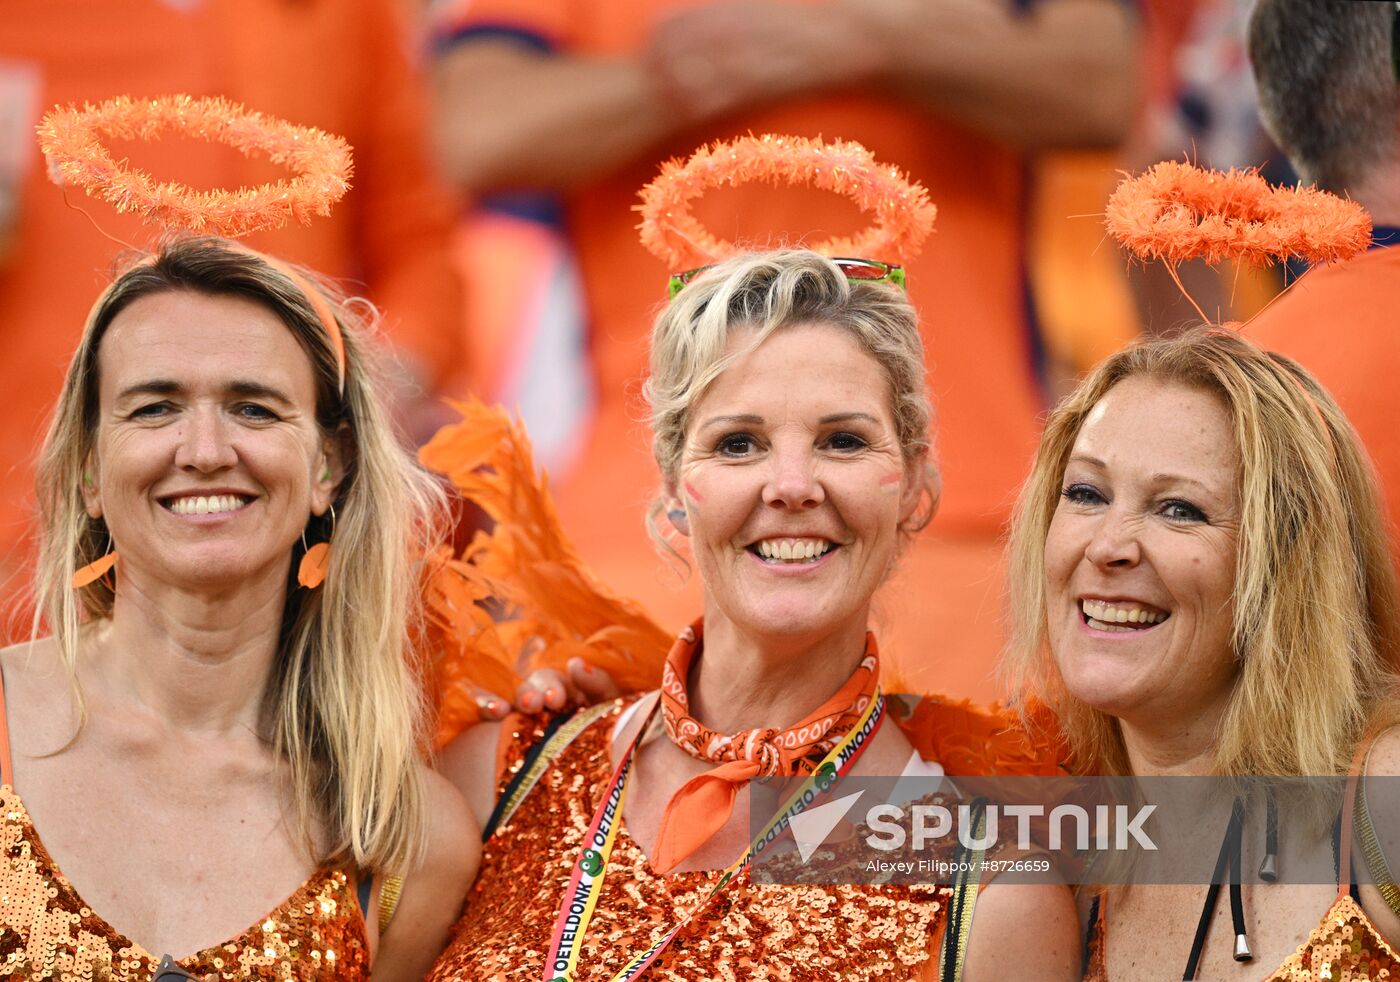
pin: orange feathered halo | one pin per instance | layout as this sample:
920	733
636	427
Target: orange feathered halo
70	139
1174	212
902	213
519	598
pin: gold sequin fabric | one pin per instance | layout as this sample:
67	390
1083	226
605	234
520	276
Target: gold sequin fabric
750	931
48	932
1344	947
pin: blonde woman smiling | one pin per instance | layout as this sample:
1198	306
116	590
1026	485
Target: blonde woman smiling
219	751
1202	586
790	426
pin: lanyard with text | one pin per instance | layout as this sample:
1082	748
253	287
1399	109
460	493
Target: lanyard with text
586	883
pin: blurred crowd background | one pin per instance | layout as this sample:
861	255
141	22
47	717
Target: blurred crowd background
499	145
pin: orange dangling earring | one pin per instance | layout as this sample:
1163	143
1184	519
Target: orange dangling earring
99	567
94	570
317	560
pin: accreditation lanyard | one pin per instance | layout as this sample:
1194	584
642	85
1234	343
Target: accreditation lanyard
586	882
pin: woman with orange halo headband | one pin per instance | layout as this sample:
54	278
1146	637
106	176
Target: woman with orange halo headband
790	422
218	741
1202	588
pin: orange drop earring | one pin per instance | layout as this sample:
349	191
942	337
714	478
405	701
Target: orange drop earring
311	573
96	569
100	566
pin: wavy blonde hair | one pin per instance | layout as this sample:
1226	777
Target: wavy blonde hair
342	706
1315	626
763	292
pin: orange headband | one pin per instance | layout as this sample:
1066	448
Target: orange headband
1174	212
318	303
314	296
901	210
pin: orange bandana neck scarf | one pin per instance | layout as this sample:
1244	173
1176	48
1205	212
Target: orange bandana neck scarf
704	803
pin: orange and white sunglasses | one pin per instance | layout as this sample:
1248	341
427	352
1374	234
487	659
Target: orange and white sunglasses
866	270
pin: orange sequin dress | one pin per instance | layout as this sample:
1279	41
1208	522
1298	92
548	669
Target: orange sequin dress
48	932
750	931
1344	946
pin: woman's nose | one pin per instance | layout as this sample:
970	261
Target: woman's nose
1115	541
793	482
205	442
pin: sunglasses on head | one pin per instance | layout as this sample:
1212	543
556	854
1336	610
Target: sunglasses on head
869	270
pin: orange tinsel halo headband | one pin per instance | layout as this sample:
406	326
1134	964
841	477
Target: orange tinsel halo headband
71	140
903	215
1175	211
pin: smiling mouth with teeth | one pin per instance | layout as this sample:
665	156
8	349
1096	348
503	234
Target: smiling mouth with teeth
212	504
1105	616
778	551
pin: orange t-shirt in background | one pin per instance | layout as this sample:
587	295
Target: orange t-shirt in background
313	62
939	618
1338	322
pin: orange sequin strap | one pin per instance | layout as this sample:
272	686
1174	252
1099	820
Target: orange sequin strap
901	210
6	770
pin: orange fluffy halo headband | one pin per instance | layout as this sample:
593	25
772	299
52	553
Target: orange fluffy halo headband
901	210
1174	212
71	140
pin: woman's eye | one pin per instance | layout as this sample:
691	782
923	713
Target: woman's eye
736	445
1082	494
845	441
153	411
1182	511
252	411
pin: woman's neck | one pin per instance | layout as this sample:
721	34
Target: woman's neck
1182	746
742	682
198	660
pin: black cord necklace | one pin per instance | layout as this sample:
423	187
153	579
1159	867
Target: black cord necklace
1232	851
1229	852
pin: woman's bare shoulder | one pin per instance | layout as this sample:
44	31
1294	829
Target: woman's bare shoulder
32	668
469	763
433	893
1383	759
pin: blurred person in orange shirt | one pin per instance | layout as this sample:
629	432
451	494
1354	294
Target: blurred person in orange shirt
585	97
1328	73
343	68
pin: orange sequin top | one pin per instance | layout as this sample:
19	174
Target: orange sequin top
48	932
1344	946
805	932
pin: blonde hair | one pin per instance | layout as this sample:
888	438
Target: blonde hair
1315	624
765	292
342	706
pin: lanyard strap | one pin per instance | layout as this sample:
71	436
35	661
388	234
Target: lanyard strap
586	882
